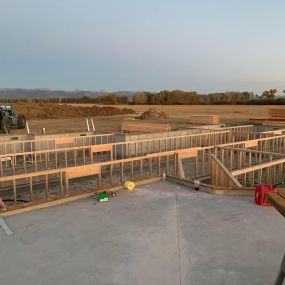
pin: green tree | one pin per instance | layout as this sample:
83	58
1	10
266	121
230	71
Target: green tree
140	98
269	94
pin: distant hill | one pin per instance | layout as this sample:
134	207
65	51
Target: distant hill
21	93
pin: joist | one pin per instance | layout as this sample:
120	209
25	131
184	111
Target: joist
145	127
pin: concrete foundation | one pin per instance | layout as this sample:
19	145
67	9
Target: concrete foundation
162	233
148	136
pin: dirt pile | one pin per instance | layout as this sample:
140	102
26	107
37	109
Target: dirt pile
39	111
152	114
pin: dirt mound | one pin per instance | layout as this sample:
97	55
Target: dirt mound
152	114
38	111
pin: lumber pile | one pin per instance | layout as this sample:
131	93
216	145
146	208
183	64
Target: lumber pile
276	118
136	126
277	113
205	119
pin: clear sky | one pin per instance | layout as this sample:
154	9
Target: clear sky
203	45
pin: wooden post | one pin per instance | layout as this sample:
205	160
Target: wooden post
61	183
122	172
14	192
66	184
141	168
111	174
31	188
46	186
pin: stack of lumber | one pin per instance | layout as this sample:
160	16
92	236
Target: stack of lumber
148	127
276	118
277	113
205	119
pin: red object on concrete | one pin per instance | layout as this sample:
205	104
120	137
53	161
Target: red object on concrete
260	194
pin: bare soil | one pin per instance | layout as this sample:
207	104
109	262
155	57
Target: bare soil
153	114
34	111
177	116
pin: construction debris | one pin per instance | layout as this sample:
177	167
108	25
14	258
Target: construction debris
103	197
153	114
204	119
5	227
112	194
130	186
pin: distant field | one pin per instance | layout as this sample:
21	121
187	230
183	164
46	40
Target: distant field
177	116
228	113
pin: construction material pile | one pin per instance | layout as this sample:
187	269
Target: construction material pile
276	118
152	114
204	119
39	111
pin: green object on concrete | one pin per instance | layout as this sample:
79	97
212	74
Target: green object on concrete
103	197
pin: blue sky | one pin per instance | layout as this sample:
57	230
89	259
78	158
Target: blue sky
203	45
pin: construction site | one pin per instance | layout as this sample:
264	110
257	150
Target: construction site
191	216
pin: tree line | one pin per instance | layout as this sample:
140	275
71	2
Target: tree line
166	97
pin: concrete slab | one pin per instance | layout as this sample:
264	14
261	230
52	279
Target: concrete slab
162	233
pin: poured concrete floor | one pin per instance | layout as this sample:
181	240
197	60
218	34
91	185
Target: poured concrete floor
138	238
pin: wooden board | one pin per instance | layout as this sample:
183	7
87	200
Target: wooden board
278	201
243	134
252	143
274	123
63	141
204	119
82	171
144	127
187	153
101	148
